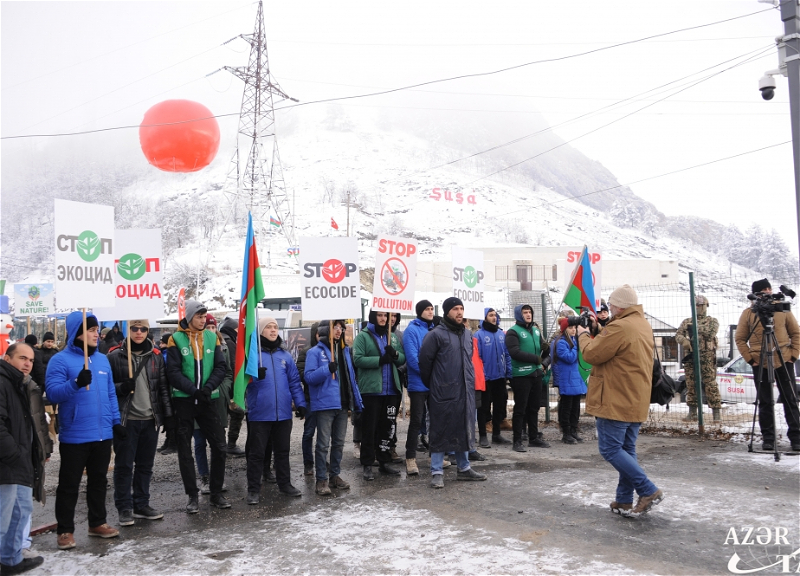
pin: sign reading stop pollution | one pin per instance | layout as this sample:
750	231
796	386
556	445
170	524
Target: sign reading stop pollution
138	279
329	278
468	284
33	299
84	239
395	274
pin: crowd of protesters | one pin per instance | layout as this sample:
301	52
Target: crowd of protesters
114	392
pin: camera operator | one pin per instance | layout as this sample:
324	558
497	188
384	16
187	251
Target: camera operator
749	334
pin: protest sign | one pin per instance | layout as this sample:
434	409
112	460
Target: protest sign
138	277
33	299
395	274
330	281
84	254
468	284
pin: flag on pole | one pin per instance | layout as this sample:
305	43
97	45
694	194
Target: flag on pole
580	290
247	341
334	225
274	222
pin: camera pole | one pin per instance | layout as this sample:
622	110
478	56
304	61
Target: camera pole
698	377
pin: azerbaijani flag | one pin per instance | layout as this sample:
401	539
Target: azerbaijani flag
580	291
274	222
580	294
247	340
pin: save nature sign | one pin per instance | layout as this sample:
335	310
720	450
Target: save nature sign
395	274
33	299
468	284
330	281
138	277
84	254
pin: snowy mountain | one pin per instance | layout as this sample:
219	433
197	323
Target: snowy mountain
405	175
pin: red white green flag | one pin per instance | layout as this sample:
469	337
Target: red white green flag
247	348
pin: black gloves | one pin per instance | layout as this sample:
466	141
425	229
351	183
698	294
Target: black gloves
546	361
120	432
301	412
391	352
537	359
203	395
332	367
84	378
386	358
127	386
262	372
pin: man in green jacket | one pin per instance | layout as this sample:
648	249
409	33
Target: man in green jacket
377	355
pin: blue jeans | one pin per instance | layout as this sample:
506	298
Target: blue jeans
617	443
133	464
16	507
437	462
309	427
331	431
200	453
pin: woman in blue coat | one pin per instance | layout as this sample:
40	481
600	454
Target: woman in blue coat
269	411
569	382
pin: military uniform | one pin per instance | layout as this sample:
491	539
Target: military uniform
707	328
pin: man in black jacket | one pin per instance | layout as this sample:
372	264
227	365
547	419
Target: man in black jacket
19	459
195	369
144	406
229	330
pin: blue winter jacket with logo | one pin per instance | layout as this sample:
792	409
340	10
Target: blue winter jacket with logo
83	415
412	340
566	374
494	354
270	399
322	388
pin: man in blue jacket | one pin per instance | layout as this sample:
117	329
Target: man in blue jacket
497	369
333	390
89	420
417	391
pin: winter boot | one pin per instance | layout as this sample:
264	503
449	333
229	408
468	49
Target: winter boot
411	467
484	442
692	417
716	415
574	433
518	447
498	439
368	473
567	437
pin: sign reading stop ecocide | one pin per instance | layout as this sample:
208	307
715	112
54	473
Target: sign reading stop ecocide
329	278
395	275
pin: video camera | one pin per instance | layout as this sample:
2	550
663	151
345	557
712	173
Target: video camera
767	304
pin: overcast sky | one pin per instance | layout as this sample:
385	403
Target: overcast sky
81	65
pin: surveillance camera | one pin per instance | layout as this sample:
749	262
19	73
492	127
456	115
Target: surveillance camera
767	86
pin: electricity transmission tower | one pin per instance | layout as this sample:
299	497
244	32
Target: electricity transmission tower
255	181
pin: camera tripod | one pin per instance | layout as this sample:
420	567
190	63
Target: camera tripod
766	378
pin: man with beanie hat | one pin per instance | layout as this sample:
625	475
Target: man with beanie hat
31	340
415	332
497	369
144	406
749	337
530	356
377	354
196	368
42	357
445	365
89	419
619	395
707	327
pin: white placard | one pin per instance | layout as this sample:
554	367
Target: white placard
84	254
329	278
468	281
33	299
138	277
596	260
395	274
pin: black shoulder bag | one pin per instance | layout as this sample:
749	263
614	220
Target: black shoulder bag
663	385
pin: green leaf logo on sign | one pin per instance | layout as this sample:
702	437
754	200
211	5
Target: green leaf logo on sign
470	277
131	266
33	292
88	246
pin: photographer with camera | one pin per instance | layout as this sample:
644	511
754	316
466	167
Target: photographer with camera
707	327
768	308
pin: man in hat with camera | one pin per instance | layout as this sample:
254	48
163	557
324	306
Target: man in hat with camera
749	339
707	328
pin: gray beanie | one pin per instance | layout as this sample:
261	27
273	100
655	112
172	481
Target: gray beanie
623	297
193	307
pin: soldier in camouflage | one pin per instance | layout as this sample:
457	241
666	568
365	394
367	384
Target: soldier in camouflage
707	328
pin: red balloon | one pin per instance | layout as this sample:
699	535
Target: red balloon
172	142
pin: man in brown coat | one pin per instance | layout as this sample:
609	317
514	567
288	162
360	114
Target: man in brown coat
619	395
749	333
